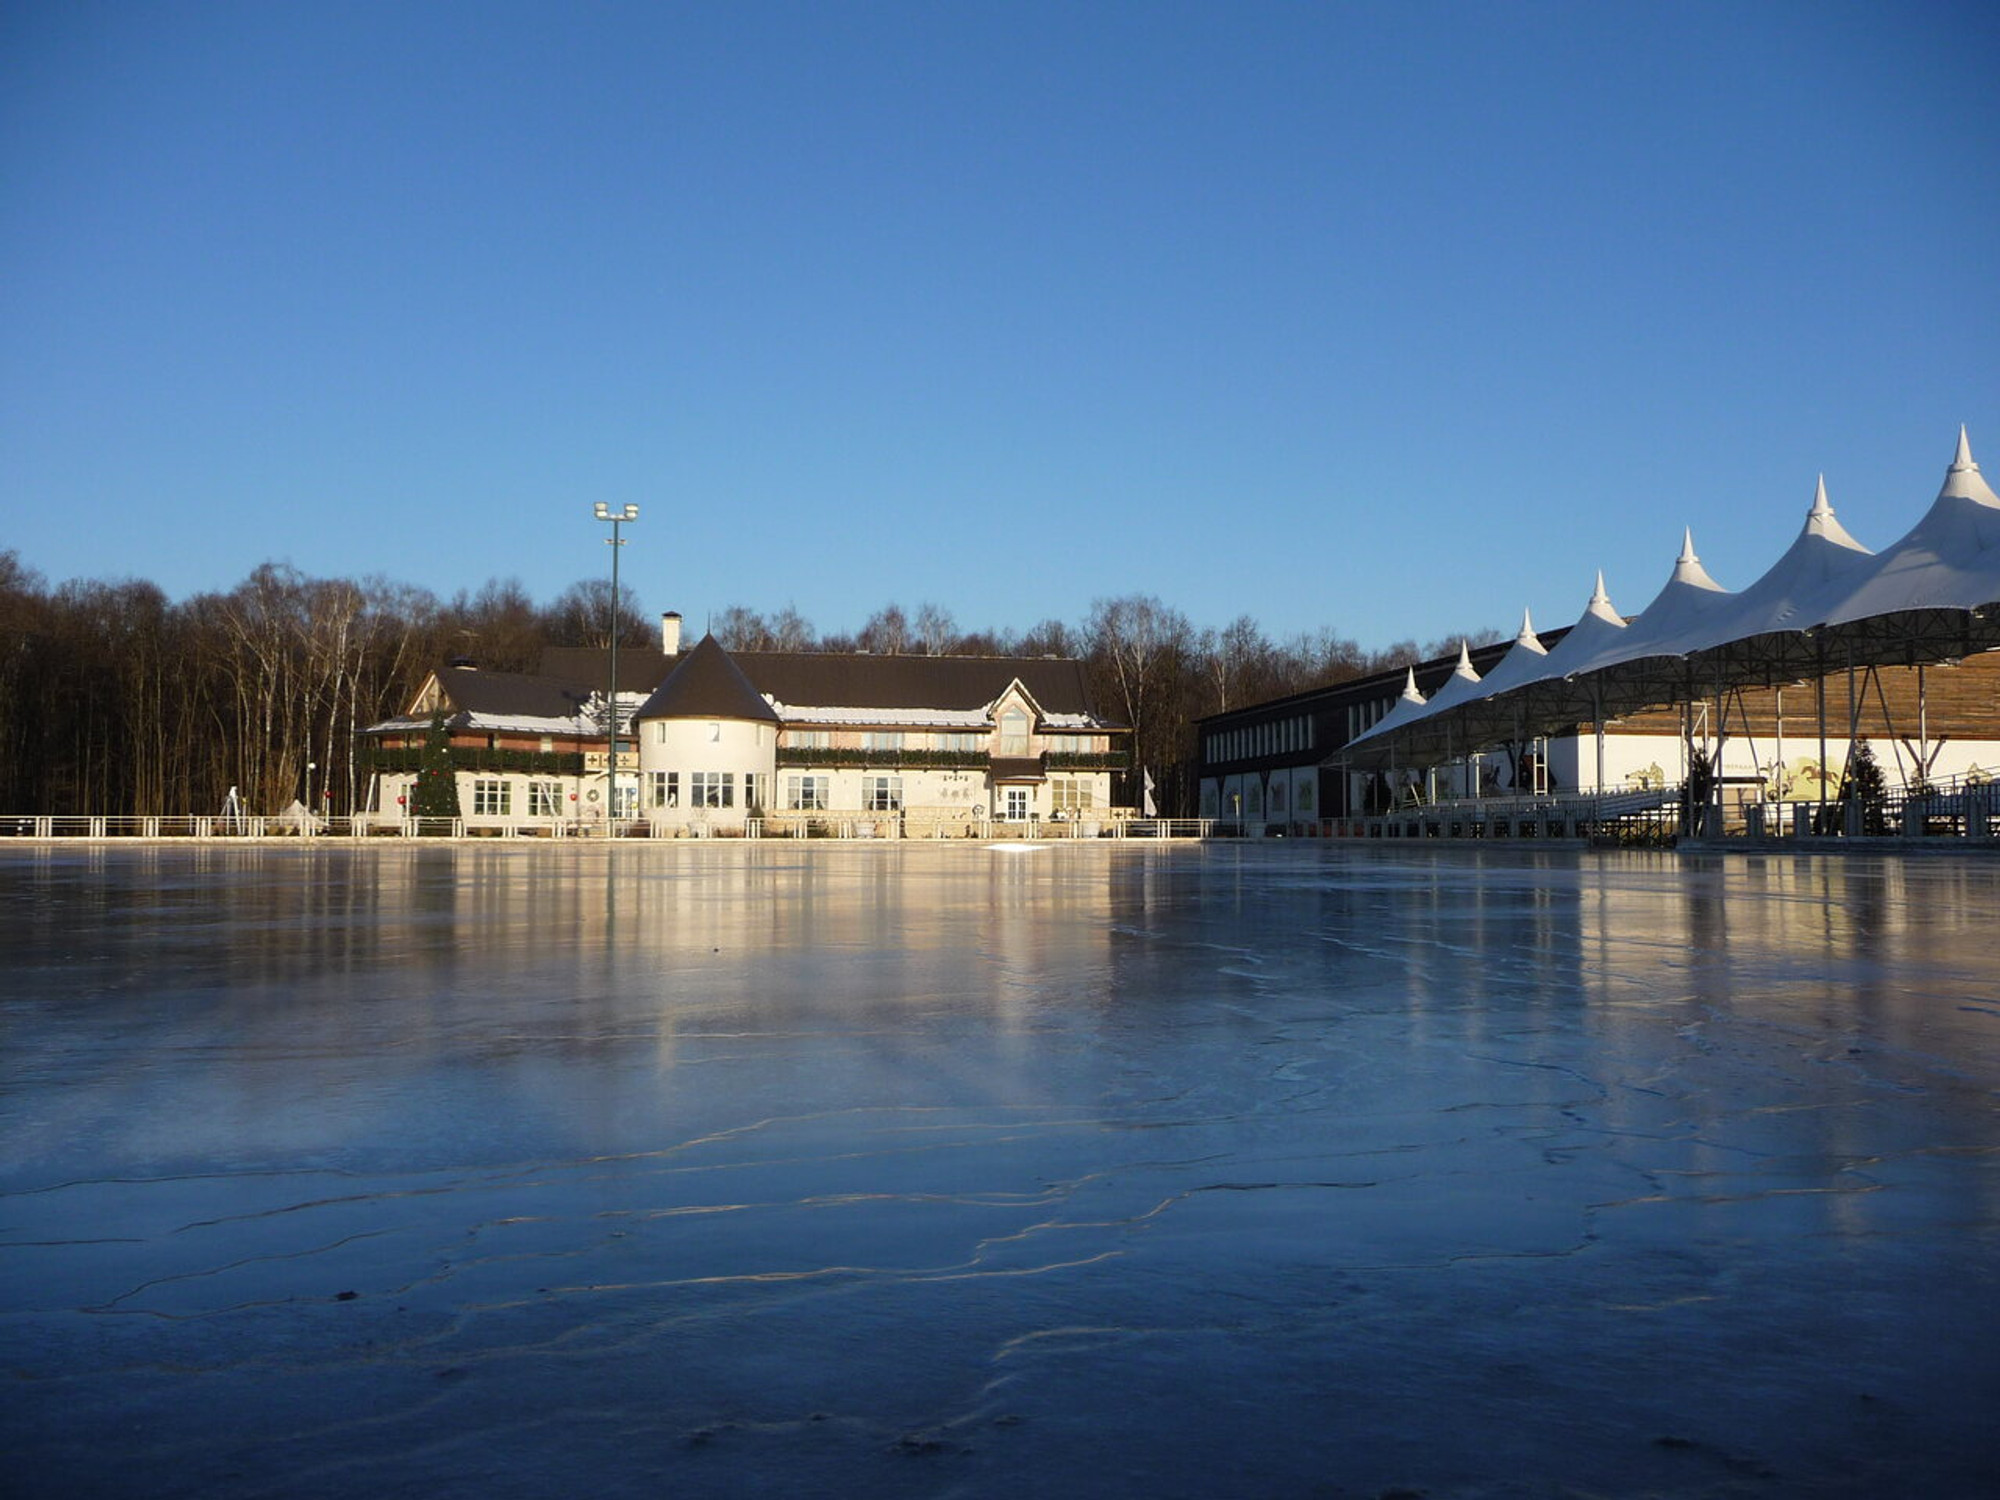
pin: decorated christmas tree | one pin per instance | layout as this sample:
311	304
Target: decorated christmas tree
436	791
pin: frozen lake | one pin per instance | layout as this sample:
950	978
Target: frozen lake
733	1169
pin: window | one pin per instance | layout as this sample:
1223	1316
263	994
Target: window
625	801
712	789
1013	732
809	739
659	731
756	791
1014	804
548	744
882	739
545	799
960	741
715	734
492	798
1277	798
1070	794
1305	796
807	793
666	789
882	793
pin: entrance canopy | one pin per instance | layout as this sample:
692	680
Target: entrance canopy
1934	595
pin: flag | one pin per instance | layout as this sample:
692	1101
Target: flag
1146	806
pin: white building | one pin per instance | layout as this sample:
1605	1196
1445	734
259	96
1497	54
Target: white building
818	742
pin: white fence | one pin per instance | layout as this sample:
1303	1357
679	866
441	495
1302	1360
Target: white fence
367	827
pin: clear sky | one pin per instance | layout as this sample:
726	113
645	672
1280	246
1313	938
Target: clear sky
1387	317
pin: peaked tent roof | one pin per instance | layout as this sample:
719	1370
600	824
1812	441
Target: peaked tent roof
1522	663
1462	686
707	684
1677	616
1797	589
1593	633
1406	710
1934	595
1949	560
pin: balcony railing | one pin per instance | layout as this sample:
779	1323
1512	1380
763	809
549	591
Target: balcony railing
478	758
891	760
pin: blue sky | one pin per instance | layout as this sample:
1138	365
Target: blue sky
1391	318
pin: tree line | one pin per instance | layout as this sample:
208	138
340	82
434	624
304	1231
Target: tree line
116	700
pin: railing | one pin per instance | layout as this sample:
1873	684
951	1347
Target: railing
1632	815
479	758
1961	809
846	824
1964	808
1955	807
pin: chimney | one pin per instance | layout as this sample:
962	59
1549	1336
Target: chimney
670	633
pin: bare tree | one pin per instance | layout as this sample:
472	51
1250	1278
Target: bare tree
739	628
498	627
581	616
1140	653
886	632
1049	638
791	631
935	630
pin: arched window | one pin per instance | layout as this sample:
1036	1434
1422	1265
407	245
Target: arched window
1013	732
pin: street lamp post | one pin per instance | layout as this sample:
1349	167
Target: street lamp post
617	518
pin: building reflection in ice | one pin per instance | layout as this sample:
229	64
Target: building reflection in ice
1114	1169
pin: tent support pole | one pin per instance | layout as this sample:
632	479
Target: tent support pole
1874	675
1923	727
1597	716
1819	700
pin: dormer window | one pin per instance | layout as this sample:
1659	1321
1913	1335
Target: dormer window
1013	732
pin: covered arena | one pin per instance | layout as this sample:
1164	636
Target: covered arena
1761	699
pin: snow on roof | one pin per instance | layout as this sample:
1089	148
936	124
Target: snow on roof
919	718
796	713
579	724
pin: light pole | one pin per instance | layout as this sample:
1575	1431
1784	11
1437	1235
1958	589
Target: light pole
617	518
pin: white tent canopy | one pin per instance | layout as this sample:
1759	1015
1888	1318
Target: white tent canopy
1934	595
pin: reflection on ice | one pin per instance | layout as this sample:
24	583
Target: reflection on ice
908	1170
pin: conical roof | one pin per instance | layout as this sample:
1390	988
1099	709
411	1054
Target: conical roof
1407	709
1673	622
1461	687
1522	663
1948	560
1593	633
1796	591
707	684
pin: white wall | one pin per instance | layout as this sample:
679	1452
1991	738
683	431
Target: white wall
739	748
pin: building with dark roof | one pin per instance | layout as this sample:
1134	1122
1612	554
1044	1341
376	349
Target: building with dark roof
710	740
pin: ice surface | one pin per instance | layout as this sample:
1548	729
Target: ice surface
720	1169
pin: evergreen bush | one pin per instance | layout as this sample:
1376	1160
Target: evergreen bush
1864	785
